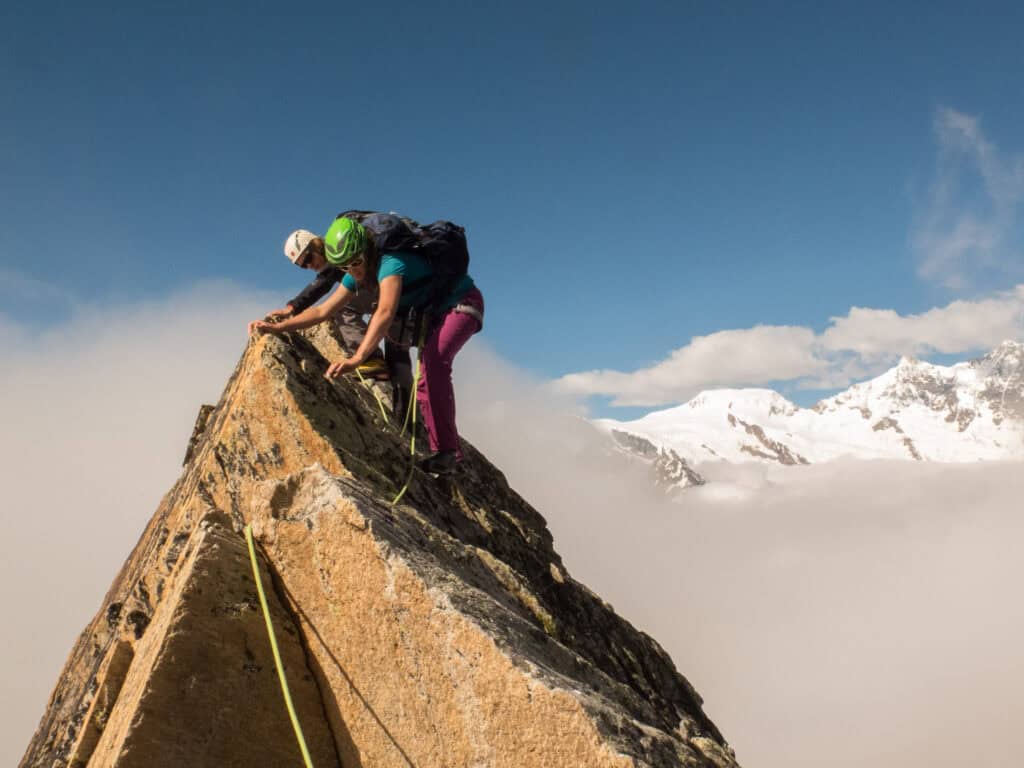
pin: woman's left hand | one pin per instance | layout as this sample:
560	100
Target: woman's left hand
341	367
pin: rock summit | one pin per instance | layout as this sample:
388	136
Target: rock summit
441	631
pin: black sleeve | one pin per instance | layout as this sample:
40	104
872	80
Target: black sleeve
316	290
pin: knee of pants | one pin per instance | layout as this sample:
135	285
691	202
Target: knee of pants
435	362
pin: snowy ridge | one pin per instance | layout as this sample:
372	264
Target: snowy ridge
966	412
669	471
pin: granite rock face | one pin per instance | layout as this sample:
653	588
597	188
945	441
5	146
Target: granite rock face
443	631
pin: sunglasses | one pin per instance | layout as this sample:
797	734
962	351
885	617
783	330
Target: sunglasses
354	263
304	258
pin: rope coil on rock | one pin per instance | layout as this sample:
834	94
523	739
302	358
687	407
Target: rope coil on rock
410	411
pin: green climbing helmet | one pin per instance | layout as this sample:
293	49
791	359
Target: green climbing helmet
345	240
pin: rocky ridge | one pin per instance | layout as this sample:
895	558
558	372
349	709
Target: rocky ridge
444	631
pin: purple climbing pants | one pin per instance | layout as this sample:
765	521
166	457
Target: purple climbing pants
434	392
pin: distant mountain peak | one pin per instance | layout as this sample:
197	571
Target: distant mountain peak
916	410
1008	347
1004	360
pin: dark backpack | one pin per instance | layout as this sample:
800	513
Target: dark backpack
441	243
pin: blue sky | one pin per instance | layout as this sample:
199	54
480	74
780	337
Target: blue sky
630	178
660	197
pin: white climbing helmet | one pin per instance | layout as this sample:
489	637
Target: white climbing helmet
296	244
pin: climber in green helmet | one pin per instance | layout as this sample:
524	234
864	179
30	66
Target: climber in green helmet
404	283
345	241
306	250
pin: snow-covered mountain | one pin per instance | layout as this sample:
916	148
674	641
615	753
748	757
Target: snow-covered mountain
966	412
669	471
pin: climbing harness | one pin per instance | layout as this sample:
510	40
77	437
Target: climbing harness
277	655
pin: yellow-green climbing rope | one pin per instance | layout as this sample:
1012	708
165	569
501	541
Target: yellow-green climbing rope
380	403
277	655
410	410
412	440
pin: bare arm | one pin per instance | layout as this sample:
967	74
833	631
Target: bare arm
319	287
310	317
387	307
279	314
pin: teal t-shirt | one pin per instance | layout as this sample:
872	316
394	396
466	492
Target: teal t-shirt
415	273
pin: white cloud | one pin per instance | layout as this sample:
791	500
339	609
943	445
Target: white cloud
860	344
968	227
726	358
833	615
851	599
840	616
878	334
22	287
96	414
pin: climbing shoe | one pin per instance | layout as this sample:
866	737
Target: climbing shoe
441	463
375	368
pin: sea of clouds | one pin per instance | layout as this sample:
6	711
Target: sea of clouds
841	615
848	614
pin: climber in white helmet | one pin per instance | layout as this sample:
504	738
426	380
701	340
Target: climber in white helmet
306	250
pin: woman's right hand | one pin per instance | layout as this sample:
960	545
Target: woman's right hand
257	327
